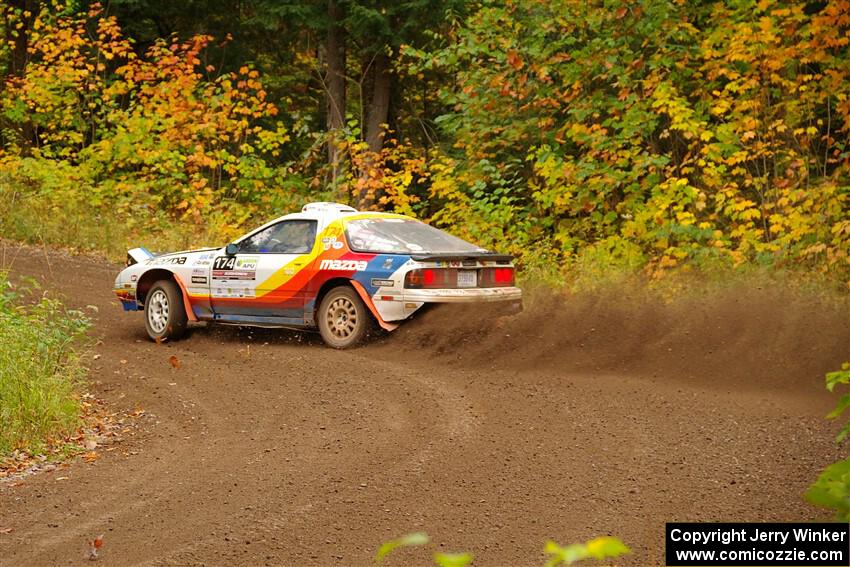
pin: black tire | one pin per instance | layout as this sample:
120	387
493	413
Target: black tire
343	318
165	316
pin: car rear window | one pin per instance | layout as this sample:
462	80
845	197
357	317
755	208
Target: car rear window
403	236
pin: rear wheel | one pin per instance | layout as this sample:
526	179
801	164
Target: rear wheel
165	317
343	318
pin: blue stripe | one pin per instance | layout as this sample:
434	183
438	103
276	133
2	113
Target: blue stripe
375	269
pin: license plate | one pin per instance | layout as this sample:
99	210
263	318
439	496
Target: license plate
467	278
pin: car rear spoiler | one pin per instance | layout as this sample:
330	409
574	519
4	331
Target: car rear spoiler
461	256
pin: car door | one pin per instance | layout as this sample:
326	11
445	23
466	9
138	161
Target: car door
261	281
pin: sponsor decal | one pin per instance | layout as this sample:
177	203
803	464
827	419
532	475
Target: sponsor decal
234	275
246	263
235	263
134	277
233	268
345	265
168	260
382	283
224	263
330	241
388	263
199	279
233	292
337	245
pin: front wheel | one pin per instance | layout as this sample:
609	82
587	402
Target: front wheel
343	318
165	317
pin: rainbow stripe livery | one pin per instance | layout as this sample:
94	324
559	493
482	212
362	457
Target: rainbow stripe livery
328	267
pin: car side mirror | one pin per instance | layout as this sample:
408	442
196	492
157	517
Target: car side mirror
231	249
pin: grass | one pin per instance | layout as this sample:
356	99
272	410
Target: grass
36	219
40	371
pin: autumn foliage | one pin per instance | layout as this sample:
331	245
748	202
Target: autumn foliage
646	136
655	134
161	133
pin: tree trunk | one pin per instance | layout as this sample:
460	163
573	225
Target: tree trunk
18	38
18	41
335	81
376	121
379	106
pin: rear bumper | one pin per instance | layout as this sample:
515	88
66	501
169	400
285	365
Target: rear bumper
472	295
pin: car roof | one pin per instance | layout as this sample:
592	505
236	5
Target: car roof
324	213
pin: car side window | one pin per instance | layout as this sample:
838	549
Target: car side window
285	237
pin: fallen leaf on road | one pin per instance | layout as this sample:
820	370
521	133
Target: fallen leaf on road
90	457
94	547
5	530
175	362
58	478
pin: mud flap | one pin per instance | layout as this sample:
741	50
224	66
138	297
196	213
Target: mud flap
368	301
186	304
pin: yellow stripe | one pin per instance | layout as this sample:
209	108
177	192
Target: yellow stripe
334	229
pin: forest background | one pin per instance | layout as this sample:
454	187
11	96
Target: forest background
587	139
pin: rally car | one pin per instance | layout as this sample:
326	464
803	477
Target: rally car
329	267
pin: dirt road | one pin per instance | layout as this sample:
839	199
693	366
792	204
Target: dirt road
599	416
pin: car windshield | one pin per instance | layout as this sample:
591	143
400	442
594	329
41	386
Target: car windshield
403	236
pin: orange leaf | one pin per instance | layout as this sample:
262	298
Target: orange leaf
514	60
175	362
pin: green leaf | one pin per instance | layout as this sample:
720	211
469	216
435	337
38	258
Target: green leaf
831	489
606	546
842	405
565	555
416	538
842	435
597	548
838	377
453	559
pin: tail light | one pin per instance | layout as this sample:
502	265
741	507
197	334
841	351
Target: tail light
447	278
497	277
503	276
430	278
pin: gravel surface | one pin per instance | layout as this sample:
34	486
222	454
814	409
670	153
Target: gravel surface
580	417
